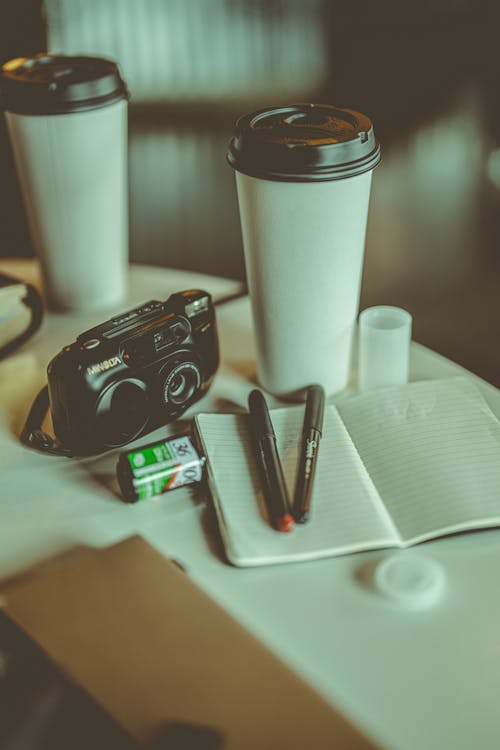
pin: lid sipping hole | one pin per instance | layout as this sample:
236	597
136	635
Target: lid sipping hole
295	116
62	72
313	116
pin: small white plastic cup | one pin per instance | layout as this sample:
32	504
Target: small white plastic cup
383	347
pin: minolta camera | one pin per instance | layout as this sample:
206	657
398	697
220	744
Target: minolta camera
134	373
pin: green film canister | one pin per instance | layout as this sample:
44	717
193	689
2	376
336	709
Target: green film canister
159	467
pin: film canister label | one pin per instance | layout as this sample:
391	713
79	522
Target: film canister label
159	467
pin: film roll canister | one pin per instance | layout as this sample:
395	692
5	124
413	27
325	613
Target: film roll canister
158	468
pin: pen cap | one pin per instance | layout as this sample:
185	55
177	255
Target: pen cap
315	407
259	413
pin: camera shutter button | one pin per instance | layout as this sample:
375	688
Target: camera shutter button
91	344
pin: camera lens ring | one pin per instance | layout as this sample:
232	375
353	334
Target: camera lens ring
122	411
182	382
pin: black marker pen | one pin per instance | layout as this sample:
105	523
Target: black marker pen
311	435
270	464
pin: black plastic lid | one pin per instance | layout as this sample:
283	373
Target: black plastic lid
304	143
57	84
125	477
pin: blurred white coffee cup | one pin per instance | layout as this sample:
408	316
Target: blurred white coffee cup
67	120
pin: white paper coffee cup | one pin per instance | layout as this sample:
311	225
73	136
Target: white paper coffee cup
67	120
303	176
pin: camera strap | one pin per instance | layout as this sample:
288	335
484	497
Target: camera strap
32	434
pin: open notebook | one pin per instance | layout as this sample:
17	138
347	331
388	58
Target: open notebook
396	467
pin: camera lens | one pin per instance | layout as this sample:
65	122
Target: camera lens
122	411
177	385
181	383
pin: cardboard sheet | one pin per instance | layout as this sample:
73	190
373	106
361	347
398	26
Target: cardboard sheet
163	659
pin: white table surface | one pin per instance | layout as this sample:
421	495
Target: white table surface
412	679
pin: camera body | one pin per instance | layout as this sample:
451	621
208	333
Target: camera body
133	373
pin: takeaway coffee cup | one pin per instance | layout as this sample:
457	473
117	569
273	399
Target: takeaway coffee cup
67	120
303	176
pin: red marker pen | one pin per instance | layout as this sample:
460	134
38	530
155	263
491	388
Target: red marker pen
272	472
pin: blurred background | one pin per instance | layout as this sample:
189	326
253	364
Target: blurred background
426	73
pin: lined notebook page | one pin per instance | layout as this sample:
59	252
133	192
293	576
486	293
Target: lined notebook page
432	449
346	512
